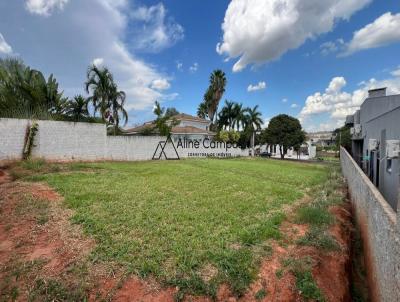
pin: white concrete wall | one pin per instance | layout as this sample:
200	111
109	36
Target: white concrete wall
87	141
380	231
12	137
68	141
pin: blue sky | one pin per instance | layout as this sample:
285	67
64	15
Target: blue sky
316	66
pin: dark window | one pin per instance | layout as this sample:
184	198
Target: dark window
389	165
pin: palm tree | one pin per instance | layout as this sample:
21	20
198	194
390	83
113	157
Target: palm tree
239	114
77	108
116	105
254	122
202	110
226	117
164	123
214	92
100	83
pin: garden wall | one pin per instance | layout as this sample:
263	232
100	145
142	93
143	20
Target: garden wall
87	141
380	231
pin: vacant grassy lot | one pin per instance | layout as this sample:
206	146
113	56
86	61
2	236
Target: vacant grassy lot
190	223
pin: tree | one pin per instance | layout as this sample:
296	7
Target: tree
253	122
171	111
343	137
24	92
163	123
100	83
202	110
214	92
226	116
285	131
240	116
106	98
77	108
116	105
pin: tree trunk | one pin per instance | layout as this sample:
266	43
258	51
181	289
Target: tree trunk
252	143
281	152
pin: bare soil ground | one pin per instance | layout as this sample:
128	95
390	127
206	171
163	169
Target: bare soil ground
43	255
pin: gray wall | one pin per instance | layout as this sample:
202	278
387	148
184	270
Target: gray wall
380	119
379	229
84	141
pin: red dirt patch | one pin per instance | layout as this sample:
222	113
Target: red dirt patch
138	290
52	244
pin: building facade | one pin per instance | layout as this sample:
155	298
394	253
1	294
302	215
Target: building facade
322	138
375	132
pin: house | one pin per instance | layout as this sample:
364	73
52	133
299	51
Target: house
321	138
375	133
189	127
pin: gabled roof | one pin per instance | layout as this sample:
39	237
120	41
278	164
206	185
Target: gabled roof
190	130
175	130
188	117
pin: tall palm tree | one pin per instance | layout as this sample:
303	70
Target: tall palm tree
254	122
215	92
116	105
100	83
77	108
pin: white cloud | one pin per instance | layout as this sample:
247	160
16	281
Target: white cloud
98	61
90	31
160	84
383	31
328	110
266	122
259	86
170	97
259	31
153	29
194	67
45	7
5	48
396	72
179	66
294	105
331	47
284	100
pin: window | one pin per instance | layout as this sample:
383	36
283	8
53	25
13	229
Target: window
389	165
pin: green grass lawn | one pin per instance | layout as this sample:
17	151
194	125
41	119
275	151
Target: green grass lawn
190	223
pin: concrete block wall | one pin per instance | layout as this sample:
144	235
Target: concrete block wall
12	138
380	231
67	141
131	147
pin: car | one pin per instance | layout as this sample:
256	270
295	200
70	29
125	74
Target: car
265	154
